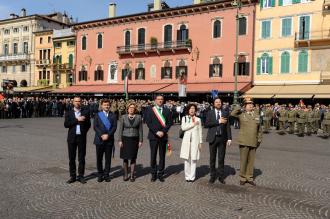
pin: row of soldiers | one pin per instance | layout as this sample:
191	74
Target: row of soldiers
301	118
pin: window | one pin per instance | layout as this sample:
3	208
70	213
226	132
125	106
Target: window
23	68
48	54
98	74
243	66
265	64
7	31
83	74
58	45
6	49
304	27
217	29
166	71
284	2
25	28
126	71
141	38
286	27
15	49
83	43
127	40
70	61
99	41
49	39
40	54
168	36
71	43
181	71
40	40
48	75
16	30
242	24
285	62
303	61
267	3
40	75
140	72
215	69
25	47
265	29
4	69
182	34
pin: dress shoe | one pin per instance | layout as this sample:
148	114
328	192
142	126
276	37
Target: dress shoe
161	178
212	180
132	179
71	180
252	183
100	179
153	178
187	180
242	183
221	180
81	180
107	178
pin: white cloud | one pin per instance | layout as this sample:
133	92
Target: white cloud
4	12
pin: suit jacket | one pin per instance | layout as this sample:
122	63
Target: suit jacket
212	123
71	123
100	129
131	130
155	126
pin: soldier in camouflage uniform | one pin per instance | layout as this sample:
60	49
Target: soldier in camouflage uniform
310	120
268	114
326	123
121	107
292	113
301	120
283	118
317	118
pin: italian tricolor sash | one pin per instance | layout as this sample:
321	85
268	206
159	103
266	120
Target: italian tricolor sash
159	116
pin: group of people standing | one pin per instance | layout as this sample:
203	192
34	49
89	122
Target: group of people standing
158	119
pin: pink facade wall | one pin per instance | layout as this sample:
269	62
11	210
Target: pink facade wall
200	28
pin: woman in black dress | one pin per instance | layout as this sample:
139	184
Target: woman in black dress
130	139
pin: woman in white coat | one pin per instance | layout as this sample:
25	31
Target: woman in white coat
191	142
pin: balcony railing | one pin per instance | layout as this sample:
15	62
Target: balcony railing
65	66
313	35
157	47
43	62
14	57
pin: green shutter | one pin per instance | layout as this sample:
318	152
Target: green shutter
261	4
263	29
268	29
70	60
307	24
296	1
258	66
273	3
60	59
286	27
280	2
270	65
285	62
303	62
54	59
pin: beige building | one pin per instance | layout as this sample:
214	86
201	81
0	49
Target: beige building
17	44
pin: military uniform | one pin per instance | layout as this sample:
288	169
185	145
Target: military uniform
268	114
121	107
326	124
283	118
317	118
301	122
292	120
310	121
250	136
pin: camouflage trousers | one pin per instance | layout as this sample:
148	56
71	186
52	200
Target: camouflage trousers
301	128
326	130
266	125
291	127
310	127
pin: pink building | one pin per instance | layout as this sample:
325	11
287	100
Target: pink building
157	48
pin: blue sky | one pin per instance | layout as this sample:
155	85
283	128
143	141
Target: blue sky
84	10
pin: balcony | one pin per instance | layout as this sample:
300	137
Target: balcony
20	57
326	7
66	66
314	39
157	48
325	77
43	62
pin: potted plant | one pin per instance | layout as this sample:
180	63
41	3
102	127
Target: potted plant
189	43
153	42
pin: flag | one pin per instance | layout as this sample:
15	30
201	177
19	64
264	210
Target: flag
126	85
168	149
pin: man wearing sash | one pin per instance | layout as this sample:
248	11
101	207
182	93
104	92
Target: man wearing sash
105	125
78	122
159	121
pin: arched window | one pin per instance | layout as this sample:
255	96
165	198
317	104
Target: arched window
98	75
166	71
127	40
303	61
99	41
126	71
181	70
15	49
141	38
182	33
217	29
84	43
285	62
140	72
215	69
265	64
168	36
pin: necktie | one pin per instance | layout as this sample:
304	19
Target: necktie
219	126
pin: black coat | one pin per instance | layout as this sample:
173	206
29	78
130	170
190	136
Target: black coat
101	130
212	123
155	126
71	123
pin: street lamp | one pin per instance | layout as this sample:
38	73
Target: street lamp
238	5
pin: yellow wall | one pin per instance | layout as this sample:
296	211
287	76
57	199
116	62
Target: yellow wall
277	44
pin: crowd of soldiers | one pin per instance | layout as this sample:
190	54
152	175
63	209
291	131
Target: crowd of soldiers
299	119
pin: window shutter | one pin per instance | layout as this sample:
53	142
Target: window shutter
60	59
187	34
171	69
123	74
211	70
102	75
296	1
273	3
178	35
136	73
270	65
263	29
247	68
258	66
177	72
235	69
307	22
54	59
261	4
283	63
162	72
280	2
220	69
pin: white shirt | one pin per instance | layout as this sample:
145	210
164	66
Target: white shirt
216	113
77	113
106	113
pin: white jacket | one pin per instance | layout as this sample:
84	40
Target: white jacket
191	139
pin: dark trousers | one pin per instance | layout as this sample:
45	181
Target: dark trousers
157	145
80	144
218	146
106	150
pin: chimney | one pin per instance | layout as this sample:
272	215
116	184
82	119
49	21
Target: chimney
112	10
157	5
197	1
65	18
23	12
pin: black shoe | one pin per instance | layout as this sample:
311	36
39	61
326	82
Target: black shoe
187	180
153	178
81	179
100	179
71	180
107	179
222	180
161	178
212	180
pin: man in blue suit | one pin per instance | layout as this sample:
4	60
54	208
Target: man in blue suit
105	126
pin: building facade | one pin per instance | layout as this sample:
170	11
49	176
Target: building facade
194	44
17	44
64	57
291	49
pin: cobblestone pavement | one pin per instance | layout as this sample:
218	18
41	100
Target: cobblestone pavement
292	174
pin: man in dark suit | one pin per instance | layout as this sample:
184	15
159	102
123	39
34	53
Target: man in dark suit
78	122
105	126
218	136
159	122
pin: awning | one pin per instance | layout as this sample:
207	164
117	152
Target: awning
284	96
322	96
262	91
29	89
